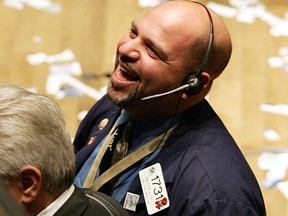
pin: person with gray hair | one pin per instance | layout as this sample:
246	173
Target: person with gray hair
37	162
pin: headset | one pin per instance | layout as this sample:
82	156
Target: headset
192	83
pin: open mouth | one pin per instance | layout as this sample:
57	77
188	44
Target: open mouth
127	75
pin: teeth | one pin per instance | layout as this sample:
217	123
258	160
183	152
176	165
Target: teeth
123	70
129	74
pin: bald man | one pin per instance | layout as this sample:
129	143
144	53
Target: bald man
153	142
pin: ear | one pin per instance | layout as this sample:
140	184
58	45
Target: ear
206	79
206	83
31	181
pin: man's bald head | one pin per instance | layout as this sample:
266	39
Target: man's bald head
195	19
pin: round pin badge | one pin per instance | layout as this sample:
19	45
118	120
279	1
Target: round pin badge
103	123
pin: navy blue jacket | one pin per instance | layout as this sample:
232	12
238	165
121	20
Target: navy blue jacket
205	172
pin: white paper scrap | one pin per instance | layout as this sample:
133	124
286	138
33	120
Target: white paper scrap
283	187
66	55
73	68
245	17
222	10
281	109
273	161
55	81
271	135
45	5
15	4
37	39
149	3
276	62
40	57
81	115
273	178
37	58
37	4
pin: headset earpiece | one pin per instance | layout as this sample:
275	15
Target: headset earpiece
195	84
194	80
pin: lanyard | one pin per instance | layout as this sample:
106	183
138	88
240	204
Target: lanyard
95	166
123	164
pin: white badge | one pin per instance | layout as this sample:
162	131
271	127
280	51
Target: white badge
154	189
131	201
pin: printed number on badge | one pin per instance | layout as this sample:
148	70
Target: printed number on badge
154	189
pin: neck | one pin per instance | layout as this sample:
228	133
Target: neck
161	109
42	201
154	109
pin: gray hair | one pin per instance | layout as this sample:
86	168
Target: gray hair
33	132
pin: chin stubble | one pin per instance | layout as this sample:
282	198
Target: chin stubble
123	101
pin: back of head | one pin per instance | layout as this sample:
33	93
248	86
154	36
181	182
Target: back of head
197	21
221	50
33	132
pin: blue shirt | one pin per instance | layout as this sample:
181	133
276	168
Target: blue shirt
141	134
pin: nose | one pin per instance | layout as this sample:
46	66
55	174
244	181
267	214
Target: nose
129	51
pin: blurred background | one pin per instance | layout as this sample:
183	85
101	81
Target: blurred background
65	49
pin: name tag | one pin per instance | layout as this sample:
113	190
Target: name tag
154	189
